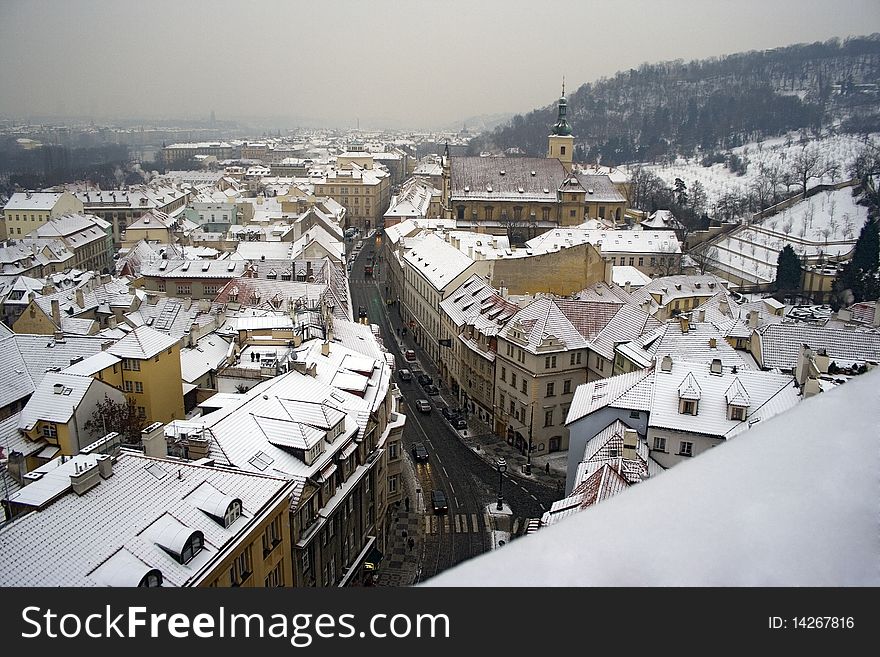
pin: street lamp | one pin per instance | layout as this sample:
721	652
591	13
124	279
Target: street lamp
502	468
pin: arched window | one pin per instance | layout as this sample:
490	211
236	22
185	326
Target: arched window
233	512
152	579
192	547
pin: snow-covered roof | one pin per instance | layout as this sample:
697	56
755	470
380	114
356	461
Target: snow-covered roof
437	261
663	242
131	511
207	355
780	344
55	399
141	343
38	201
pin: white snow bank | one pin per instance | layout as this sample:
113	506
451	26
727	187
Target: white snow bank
792	502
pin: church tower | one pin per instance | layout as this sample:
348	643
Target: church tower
561	141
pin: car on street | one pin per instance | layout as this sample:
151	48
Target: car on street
362	312
431	390
404	374
420	454
445	412
409	355
438	501
425	380
459	423
423	405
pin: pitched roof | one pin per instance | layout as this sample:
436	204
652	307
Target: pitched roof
57	546
780	344
437	261
141	343
631	390
55	399
481	178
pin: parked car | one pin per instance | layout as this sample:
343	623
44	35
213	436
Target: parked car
420	454
431	390
409	355
404	374
459	423
362	312
445	412
438	501
423	405
424	379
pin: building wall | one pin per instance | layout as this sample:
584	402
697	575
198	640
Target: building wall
162	396
563	272
34	321
155	234
18	223
673	439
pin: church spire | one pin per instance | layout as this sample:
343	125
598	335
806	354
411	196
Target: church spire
561	126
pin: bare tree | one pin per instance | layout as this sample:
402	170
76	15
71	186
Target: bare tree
704	259
809	163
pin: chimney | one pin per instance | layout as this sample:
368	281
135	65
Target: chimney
630	442
153	439
811	387
58	388
105	466
56	313
701	315
85	478
59	336
666	364
627	287
204	305
198	447
325	347
753	318
821	359
802	369
111	322
80	299
684	323
15	465
713	343
844	315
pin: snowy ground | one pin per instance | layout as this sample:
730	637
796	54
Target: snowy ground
827	223
718	180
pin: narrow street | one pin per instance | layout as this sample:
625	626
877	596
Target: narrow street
469	482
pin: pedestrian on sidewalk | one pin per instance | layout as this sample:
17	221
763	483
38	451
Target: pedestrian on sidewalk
406	503
411	542
547	468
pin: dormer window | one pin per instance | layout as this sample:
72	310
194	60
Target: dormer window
151	580
688	407
192	547
737	413
233	513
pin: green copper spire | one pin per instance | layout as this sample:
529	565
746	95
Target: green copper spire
561	126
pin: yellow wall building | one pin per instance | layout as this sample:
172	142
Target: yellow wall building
27	211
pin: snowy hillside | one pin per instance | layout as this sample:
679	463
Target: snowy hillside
717	180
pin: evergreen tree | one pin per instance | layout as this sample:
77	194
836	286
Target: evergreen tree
788	271
858	279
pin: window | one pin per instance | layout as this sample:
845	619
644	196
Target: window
138	387
142	412
634	415
513	379
152	579
525	386
392	451
641	261
572	213
306	561
548	418
685	448
128	386
489	210
501	401
571	358
562	150
460	211
50	430
660	444
566	386
545	214
632	262
551	389
688	407
550	362
210	289
272	535
392	484
578	358
512	408
737	413
184	288
521	356
275	578
653	261
517	213
161	286
192	547
131	364
504	374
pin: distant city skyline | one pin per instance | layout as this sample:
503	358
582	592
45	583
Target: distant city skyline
435	65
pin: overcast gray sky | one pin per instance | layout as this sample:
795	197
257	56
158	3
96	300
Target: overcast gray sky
414	63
